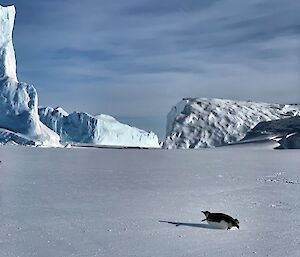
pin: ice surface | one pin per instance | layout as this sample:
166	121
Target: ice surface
103	202
18	101
99	130
201	122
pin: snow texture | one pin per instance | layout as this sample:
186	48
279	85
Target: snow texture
104	202
202	122
18	101
98	130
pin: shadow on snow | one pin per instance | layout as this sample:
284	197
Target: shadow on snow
195	225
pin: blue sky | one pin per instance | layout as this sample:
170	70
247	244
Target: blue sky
134	59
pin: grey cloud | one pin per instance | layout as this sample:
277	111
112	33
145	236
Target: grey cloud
88	54
158	7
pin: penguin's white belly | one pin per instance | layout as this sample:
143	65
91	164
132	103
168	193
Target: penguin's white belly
220	225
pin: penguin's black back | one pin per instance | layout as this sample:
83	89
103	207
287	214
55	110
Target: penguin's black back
218	217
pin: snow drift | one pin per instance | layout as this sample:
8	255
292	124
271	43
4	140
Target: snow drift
18	101
99	130
202	122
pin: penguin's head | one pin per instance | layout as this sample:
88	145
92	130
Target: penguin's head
236	223
206	213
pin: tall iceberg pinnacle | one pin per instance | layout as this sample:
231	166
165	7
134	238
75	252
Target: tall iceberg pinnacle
18	101
7	53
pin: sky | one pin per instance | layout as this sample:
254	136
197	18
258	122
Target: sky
135	59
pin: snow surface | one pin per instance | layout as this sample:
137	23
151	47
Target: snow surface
18	101
104	202
202	122
99	130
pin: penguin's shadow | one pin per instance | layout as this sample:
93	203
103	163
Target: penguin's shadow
195	225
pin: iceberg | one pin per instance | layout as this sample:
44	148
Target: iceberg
203	122
81	127
20	120
18	101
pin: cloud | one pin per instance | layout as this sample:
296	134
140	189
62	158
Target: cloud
83	54
166	7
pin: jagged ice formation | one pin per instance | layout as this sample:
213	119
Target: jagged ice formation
18	101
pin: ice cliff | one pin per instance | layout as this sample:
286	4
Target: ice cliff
202	122
99	130
18	101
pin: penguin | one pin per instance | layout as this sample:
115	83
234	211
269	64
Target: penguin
220	220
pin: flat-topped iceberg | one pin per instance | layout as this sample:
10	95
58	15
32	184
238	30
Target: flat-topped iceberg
202	122
101	129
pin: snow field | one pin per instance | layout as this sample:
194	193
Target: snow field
106	202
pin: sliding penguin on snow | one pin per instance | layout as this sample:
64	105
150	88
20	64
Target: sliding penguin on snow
220	220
